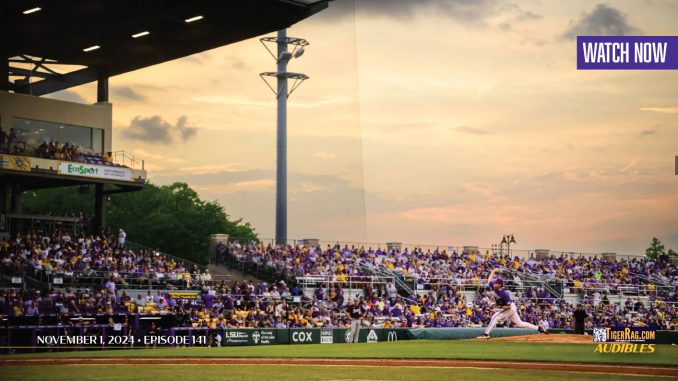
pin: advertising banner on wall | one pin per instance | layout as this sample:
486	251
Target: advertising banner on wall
18	163
183	294
96	171
249	337
371	335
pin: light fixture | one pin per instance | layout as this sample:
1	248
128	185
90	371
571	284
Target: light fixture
285	56
32	10
95	47
196	18
141	34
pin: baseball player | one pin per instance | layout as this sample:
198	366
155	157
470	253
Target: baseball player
507	309
356	312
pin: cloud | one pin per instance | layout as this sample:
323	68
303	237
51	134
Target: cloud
528	16
148	155
309	187
663	110
68	96
128	93
211	168
255	185
602	21
471	130
630	165
155	129
238	64
650	131
185	130
519	17
467	11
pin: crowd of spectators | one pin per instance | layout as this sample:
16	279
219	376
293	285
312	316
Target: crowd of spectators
54	150
430	267
261	305
93	260
283	303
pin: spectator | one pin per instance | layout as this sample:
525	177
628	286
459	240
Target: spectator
121	238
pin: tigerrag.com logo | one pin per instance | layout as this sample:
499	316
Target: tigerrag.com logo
624	340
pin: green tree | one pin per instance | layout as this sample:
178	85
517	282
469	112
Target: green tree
655	250
171	218
672	253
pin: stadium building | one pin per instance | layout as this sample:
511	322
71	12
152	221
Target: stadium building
50	46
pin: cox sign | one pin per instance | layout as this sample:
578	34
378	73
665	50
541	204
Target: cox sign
302	337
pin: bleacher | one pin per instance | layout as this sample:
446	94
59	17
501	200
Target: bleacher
289	297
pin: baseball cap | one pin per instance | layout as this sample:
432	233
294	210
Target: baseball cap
499	281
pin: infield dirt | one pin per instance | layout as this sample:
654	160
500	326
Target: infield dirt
553	338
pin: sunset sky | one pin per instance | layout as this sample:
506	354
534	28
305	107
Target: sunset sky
445	122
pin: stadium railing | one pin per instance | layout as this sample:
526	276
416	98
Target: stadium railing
314	281
521	253
134	246
122	158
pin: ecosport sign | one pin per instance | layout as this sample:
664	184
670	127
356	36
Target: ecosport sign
98	171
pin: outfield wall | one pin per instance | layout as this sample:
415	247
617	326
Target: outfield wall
24	337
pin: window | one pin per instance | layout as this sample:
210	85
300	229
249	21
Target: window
36	132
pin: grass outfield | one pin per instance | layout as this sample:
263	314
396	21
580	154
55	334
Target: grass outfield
287	372
418	349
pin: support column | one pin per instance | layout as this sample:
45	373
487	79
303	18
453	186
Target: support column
102	86
4	73
281	169
99	208
16	198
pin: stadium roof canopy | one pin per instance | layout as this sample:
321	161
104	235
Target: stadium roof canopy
51	45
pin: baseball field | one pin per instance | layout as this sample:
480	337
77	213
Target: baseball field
413	360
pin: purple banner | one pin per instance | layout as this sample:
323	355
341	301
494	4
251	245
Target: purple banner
627	52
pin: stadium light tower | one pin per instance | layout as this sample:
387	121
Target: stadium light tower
282	92
507	240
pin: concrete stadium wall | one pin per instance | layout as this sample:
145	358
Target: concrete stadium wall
98	115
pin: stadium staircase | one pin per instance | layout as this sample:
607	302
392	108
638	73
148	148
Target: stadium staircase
659	281
385	275
134	246
528	279
224	273
218	273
